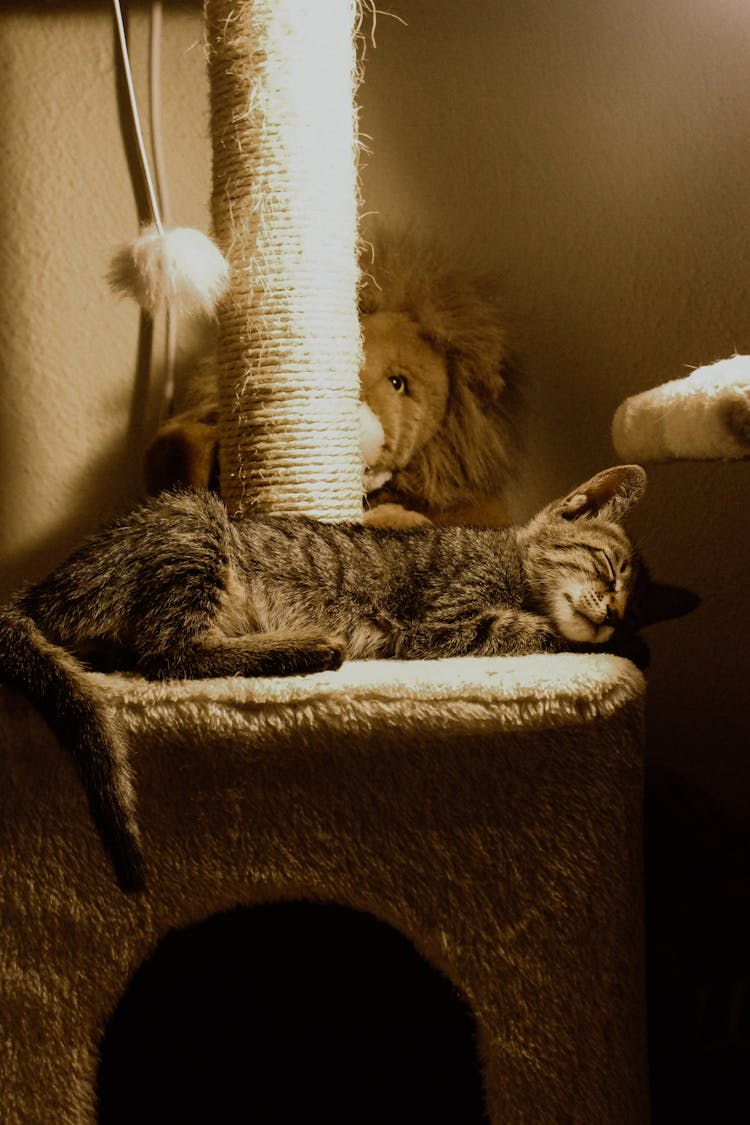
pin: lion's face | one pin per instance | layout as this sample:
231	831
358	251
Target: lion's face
404	382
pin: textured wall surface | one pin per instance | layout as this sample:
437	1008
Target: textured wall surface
595	152
74	418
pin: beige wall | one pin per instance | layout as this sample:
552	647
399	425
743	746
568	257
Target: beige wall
595	152
73	418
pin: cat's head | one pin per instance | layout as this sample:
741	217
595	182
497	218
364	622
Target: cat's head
580	564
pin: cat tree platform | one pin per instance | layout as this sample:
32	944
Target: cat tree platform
488	809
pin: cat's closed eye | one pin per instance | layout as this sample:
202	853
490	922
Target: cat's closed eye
608	573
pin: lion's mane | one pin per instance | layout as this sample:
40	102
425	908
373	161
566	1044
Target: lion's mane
460	311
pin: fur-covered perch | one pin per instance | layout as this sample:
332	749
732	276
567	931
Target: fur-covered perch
489	809
703	416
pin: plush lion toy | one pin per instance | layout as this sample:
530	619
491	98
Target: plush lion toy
439	401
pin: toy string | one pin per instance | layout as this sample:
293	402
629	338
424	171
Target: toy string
157	149
154	86
156	185
122	40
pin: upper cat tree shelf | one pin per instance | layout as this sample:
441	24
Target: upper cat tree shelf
702	417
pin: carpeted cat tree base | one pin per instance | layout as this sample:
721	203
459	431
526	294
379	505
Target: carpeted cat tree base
488	809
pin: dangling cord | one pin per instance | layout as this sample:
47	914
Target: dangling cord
122	39
156	192
157	150
154	92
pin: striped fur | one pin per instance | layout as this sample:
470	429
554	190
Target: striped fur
176	590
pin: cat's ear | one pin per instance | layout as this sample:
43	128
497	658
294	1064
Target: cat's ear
609	495
662	602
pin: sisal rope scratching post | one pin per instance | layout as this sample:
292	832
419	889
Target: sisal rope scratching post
282	78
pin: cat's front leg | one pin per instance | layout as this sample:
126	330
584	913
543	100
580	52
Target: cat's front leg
501	632
516	632
254	654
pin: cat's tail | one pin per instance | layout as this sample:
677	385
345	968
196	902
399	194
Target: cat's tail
57	685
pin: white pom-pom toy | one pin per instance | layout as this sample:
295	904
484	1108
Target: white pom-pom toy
179	269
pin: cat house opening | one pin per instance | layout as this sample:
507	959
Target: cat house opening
288	1013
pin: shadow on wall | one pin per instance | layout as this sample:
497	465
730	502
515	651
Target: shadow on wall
698	937
287	1013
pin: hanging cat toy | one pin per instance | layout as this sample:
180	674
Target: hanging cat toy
174	271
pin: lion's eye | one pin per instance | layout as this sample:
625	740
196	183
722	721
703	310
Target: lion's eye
399	384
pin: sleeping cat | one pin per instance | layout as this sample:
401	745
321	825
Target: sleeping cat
177	590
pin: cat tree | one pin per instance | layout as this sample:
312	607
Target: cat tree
489	809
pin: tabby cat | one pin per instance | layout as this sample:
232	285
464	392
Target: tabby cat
177	590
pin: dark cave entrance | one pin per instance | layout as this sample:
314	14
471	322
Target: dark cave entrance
290	1014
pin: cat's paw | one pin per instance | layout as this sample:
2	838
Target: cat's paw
549	640
331	654
512	632
317	652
